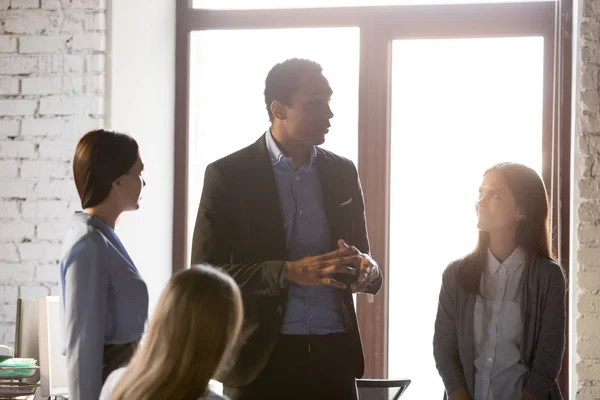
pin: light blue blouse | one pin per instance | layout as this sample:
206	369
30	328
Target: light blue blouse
103	301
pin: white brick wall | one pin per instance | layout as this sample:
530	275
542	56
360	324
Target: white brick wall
588	232
9	86
8	44
42	44
52	67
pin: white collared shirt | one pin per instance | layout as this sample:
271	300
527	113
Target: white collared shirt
498	330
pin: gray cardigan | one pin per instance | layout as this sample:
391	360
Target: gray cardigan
543	310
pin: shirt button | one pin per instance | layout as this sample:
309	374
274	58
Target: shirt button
297	178
490	359
279	310
301	212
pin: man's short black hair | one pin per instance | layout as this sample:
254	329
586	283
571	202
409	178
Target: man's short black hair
285	78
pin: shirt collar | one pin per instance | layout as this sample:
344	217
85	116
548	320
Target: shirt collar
94	221
276	155
512	263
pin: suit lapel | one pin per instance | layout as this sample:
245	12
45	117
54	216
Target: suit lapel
264	208
329	188
332	185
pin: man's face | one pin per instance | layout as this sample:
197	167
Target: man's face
307	118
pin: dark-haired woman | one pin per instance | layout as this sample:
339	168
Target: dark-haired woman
104	299
499	331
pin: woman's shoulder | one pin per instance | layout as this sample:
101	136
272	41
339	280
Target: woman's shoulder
82	243
549	268
116	375
82	235
451	271
210	395
111	382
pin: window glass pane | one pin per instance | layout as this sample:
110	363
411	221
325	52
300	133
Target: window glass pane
458	107
274	4
227	107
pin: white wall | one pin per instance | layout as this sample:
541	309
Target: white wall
585	283
52	70
140	93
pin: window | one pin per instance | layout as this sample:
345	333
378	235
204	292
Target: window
228	111
425	99
274	4
454	114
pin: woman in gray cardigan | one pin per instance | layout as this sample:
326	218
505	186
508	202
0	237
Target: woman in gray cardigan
499	330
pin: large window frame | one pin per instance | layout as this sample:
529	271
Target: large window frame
379	26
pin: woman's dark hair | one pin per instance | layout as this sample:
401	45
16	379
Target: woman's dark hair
101	157
532	232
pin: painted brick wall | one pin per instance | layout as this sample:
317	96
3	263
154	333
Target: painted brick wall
52	84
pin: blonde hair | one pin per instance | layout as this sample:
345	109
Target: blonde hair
192	335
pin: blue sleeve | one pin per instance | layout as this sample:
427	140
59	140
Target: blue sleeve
85	289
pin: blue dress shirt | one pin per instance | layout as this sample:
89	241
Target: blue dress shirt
311	310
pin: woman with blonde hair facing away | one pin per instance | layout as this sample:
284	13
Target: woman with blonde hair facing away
191	338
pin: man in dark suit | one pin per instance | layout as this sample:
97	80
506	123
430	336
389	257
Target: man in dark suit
286	220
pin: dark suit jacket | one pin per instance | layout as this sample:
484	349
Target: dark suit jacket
239	228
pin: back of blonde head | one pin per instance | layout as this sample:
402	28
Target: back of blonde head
191	334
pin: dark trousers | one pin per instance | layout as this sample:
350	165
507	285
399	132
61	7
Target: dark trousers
311	367
117	356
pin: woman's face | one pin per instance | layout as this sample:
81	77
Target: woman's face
130	185
497	209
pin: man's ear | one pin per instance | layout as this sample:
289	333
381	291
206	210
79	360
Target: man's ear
278	109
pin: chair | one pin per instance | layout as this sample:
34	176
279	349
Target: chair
53	364
26	333
381	389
